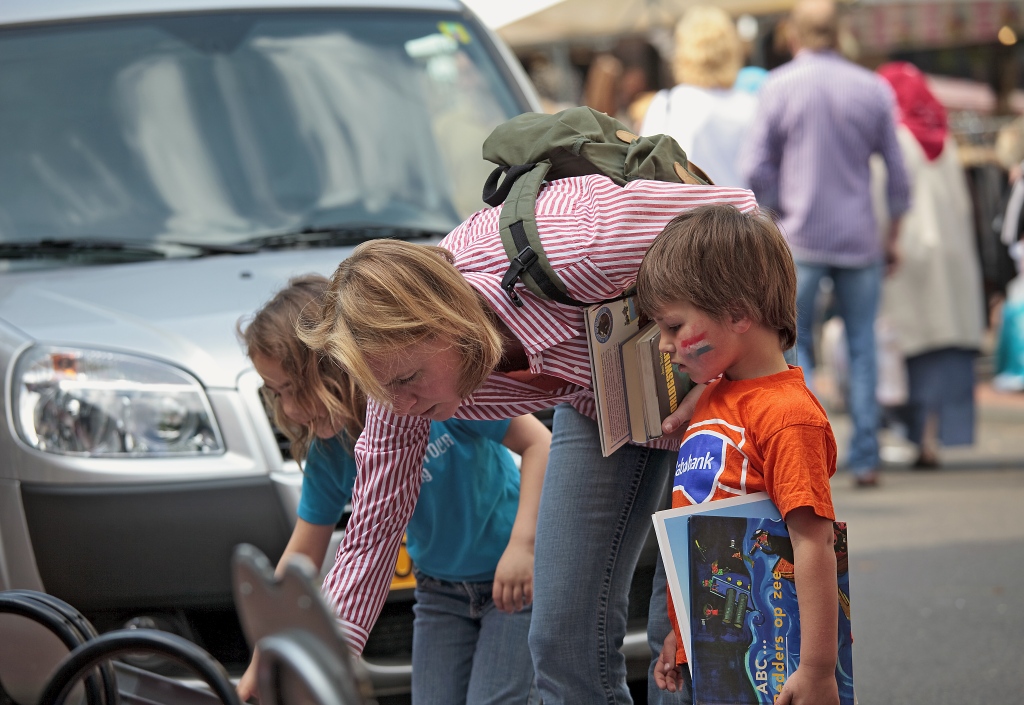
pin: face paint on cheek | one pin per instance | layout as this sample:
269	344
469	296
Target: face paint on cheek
695	347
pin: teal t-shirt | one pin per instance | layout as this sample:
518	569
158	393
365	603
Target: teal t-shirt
467	503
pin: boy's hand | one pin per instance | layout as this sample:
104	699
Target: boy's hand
247	685
513	578
675	423
810	686
667	675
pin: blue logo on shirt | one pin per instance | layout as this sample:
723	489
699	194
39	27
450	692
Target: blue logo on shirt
700	463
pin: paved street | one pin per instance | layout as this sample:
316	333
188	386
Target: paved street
937	561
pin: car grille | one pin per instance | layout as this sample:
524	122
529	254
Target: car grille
391	636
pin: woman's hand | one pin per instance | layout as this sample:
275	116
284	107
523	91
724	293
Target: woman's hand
675	423
513	578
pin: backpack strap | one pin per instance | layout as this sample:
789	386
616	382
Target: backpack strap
495	194
521	240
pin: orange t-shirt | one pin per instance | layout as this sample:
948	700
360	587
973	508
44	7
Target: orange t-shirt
767	434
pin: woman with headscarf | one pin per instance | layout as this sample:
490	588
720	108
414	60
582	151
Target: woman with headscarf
933	297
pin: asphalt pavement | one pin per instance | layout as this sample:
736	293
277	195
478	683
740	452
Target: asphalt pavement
937	563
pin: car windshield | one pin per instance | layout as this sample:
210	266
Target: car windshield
226	128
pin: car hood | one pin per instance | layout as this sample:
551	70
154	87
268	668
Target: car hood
182	311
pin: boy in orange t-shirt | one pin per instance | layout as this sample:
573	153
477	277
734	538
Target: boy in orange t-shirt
721	285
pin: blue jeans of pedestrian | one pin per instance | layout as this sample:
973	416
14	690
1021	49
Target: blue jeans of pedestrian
595	514
857	292
467	652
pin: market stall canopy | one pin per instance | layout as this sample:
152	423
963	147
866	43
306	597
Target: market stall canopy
498	13
879	24
883	26
587	19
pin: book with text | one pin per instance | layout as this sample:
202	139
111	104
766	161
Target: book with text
730	571
664	385
609	326
635	384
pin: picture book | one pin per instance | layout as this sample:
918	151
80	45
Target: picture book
744	620
635	385
672	528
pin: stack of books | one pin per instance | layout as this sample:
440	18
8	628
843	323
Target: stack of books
635	385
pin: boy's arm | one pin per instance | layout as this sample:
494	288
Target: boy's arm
668	675
814	561
513	578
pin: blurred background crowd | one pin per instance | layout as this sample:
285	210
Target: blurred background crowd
956	69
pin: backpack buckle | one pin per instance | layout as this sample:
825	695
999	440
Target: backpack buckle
520	263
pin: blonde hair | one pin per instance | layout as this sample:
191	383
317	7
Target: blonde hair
727	264
271	332
709	52
389	295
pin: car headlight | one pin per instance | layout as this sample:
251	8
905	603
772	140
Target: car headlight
90	402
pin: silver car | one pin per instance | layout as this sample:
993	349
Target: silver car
165	166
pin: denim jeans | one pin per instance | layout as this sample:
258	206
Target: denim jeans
595	514
467	652
857	293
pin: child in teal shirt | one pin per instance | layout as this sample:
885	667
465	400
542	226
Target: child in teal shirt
470	537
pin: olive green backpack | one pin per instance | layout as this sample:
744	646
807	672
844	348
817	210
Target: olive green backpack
533	148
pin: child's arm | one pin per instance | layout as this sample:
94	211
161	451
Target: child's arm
310	540
668	675
513	578
814	560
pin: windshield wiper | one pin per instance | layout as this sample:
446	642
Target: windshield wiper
212	248
336	236
50	248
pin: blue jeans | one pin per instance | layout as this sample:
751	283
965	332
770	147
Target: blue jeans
857	293
467	652
595	514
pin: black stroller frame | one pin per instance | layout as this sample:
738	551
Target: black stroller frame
303	658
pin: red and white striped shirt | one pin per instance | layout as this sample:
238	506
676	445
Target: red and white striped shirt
595	234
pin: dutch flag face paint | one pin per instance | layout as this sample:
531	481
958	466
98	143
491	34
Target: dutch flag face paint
695	341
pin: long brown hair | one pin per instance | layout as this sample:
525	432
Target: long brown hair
316	379
388	295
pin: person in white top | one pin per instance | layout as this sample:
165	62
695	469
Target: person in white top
705	114
429	333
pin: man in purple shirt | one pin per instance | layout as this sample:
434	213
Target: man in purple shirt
820	119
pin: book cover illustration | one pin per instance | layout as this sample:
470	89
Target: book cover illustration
672	528
743	618
609	325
